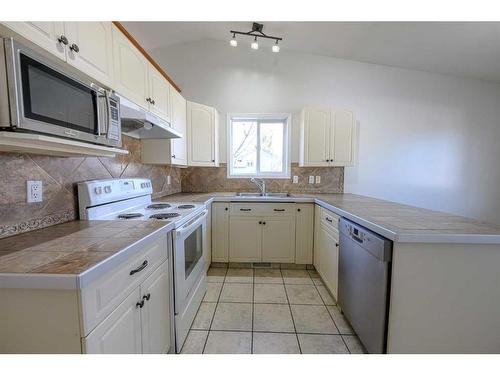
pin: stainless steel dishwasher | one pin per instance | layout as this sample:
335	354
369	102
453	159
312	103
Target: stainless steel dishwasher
364	282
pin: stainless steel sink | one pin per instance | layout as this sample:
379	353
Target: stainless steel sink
267	195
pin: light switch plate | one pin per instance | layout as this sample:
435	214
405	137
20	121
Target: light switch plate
295	179
34	191
311	179
169	180
318	179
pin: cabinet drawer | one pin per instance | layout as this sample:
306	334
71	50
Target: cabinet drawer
329	219
262	209
103	295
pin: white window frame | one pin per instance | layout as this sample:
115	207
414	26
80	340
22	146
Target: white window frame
261	117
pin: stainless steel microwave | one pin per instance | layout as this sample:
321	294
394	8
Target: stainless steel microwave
41	95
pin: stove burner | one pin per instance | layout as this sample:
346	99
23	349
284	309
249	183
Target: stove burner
185	206
158	206
166	215
132	215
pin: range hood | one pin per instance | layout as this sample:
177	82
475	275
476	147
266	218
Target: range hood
138	122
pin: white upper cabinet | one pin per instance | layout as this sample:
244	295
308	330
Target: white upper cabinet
315	137
131	77
48	35
159	94
202	135
179	122
327	137
90	49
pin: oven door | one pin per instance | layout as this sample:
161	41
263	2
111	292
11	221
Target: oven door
45	98
189	262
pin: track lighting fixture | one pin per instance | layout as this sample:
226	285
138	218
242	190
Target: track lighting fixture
256	33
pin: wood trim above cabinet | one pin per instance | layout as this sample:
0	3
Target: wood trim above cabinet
146	55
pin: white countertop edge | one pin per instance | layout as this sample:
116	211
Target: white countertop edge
477	239
37	281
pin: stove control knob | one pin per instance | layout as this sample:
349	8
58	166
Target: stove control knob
98	190
107	189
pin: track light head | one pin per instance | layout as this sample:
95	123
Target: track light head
276	48
255	44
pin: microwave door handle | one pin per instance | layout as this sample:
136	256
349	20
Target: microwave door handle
193	223
108	112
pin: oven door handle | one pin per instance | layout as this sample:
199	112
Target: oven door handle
190	224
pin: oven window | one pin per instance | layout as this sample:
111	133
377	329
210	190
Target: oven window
193	250
51	97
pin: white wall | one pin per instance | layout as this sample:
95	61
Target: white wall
425	139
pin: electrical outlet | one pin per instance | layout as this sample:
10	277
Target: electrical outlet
295	179
169	180
318	179
34	191
311	179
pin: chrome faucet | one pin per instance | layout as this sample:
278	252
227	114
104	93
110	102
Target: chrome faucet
261	184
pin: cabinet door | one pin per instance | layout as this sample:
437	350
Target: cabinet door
43	34
131	70
220	232
159	93
155	314
329	260
304	227
343	126
317	237
178	117
245	239
120	332
95	49
201	135
207	249
315	137
278	239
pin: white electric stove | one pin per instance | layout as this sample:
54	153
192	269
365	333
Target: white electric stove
130	200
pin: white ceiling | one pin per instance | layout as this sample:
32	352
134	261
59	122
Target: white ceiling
468	49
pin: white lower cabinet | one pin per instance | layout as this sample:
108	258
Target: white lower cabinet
304	233
140	324
326	248
120	332
278	239
245	239
262	232
220	232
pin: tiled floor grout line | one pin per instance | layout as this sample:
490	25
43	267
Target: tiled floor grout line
253	308
213	316
291	314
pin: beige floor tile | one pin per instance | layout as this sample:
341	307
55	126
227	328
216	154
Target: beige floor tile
233	317
303	294
216	275
213	292
275	343
296	277
268	276
272	318
270	293
237	293
239	275
229	343
313	319
314	274
354	345
340	321
204	316
322	344
325	295
195	342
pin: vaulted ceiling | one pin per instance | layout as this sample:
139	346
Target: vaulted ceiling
468	49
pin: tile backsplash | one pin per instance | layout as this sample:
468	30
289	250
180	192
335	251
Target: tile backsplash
206	179
60	176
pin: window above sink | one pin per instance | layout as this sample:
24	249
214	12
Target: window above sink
258	145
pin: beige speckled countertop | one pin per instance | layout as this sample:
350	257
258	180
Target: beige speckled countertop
398	222
71	248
